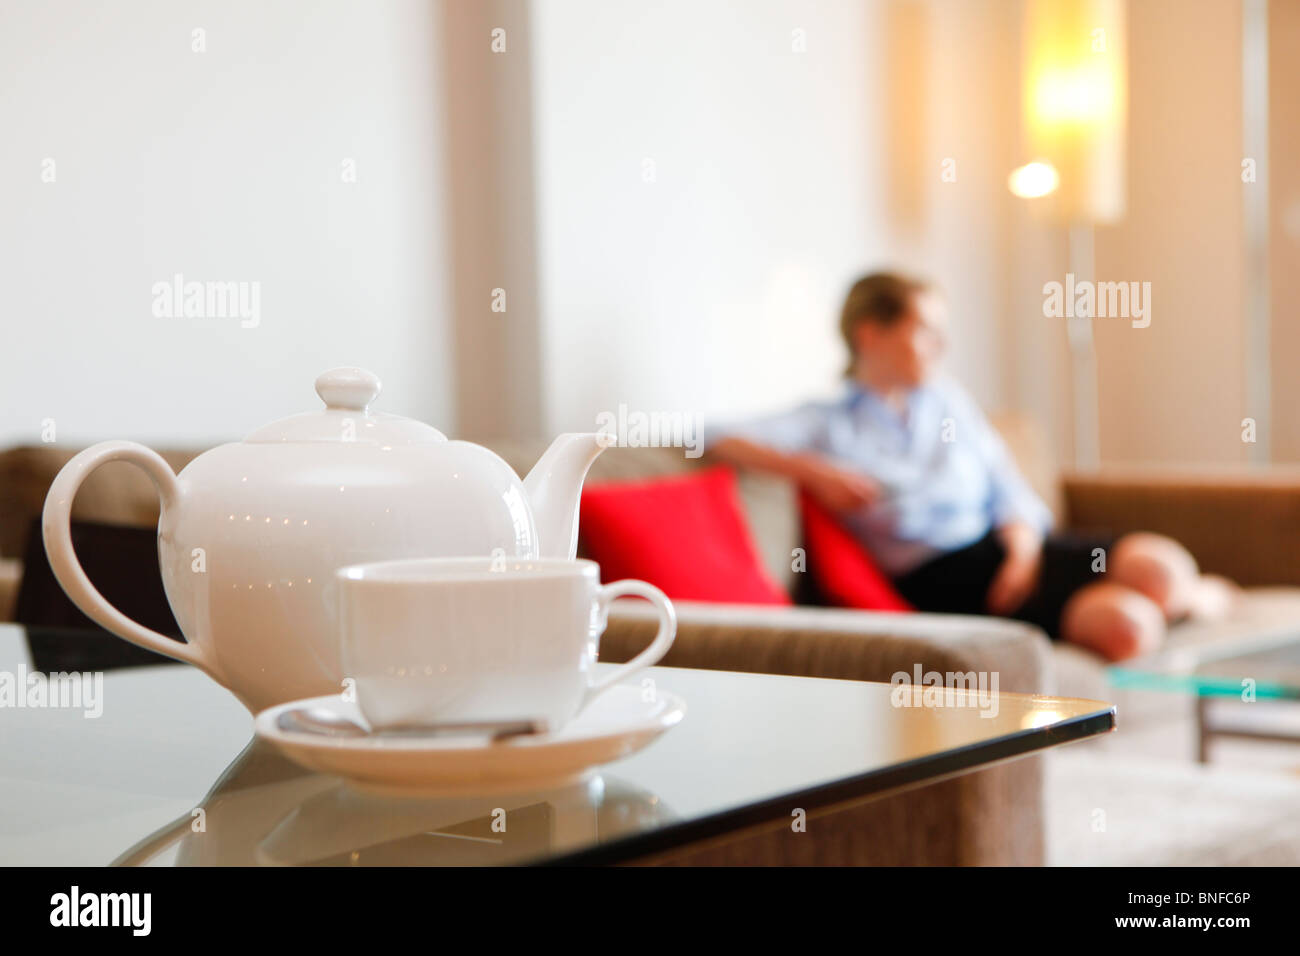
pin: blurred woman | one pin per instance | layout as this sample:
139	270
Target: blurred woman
915	471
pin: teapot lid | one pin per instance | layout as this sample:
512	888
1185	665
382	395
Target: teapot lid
347	394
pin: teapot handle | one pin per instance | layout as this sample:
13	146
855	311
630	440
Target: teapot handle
57	532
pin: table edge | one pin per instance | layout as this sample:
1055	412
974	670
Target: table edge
859	787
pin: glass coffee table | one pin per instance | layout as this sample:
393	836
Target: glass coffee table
167	775
1263	671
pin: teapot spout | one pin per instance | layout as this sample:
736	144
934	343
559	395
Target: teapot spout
554	487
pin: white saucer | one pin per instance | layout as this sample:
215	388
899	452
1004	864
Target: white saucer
617	723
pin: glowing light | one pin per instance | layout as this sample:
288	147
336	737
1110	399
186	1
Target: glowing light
1074	106
1033	180
1081	95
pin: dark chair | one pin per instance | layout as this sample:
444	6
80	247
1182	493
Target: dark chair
122	562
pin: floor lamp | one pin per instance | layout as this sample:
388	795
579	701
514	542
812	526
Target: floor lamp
1074	90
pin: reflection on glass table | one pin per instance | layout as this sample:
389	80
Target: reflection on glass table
129	785
267	811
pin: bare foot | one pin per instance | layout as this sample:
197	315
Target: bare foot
1212	598
1158	567
1112	620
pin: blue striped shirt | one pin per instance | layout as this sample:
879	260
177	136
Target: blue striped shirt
945	475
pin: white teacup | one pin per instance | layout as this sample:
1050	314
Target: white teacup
434	640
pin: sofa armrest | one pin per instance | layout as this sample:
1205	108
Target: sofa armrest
1243	525
992	816
848	645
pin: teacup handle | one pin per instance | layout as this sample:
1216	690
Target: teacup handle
610	593
57	531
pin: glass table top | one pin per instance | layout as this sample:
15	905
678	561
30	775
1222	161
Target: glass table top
1267	667
167	775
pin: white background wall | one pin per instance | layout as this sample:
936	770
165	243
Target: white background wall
224	165
1176	391
716	287
779	177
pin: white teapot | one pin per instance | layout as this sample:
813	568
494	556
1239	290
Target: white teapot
251	533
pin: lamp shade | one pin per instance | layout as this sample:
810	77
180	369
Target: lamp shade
1075	104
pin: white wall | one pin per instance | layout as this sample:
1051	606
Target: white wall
1283	184
1176	391
777	180
713	286
779	176
487	79
223	165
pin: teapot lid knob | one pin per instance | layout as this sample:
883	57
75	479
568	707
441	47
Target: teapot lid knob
348	387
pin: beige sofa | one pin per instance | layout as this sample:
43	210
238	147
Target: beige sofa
994	816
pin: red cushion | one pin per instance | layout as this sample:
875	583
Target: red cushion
685	534
843	570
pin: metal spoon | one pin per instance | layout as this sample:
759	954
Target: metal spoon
321	721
